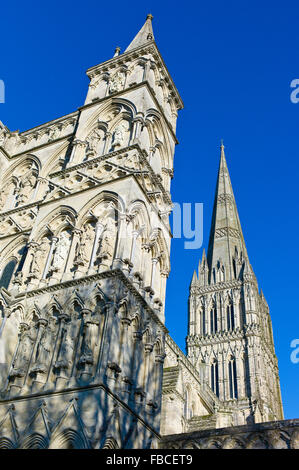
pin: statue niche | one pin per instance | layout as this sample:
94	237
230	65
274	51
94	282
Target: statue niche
84	247
120	135
65	354
60	254
39	258
95	143
21	361
27	183
89	343
106	245
43	350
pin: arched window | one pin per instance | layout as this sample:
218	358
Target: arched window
230	317
7	273
232	376
215	378
213	320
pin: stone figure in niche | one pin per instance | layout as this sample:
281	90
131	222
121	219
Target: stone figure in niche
83	249
43	352
89	341
93	140
24	351
119	135
107	240
117	82
65	355
61	251
39	258
26	184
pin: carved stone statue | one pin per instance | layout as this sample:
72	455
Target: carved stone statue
61	252
65	355
24	352
117	82
107	241
93	140
26	185
83	249
39	258
43	353
119	135
89	341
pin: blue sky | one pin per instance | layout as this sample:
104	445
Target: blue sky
233	63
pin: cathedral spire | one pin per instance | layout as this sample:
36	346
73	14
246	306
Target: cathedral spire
226	242
143	36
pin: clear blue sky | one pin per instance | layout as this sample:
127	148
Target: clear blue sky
233	63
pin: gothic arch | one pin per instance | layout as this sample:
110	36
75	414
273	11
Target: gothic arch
6	443
103	196
69	439
52	164
68	220
158	134
232	443
257	441
34	441
20	163
110	443
139	210
213	444
160	247
115	105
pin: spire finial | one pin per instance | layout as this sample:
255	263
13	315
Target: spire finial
143	36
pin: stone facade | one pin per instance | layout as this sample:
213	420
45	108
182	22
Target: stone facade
85	243
84	259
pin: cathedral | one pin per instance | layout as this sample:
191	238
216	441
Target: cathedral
86	359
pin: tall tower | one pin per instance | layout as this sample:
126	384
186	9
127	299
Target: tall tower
84	258
230	331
